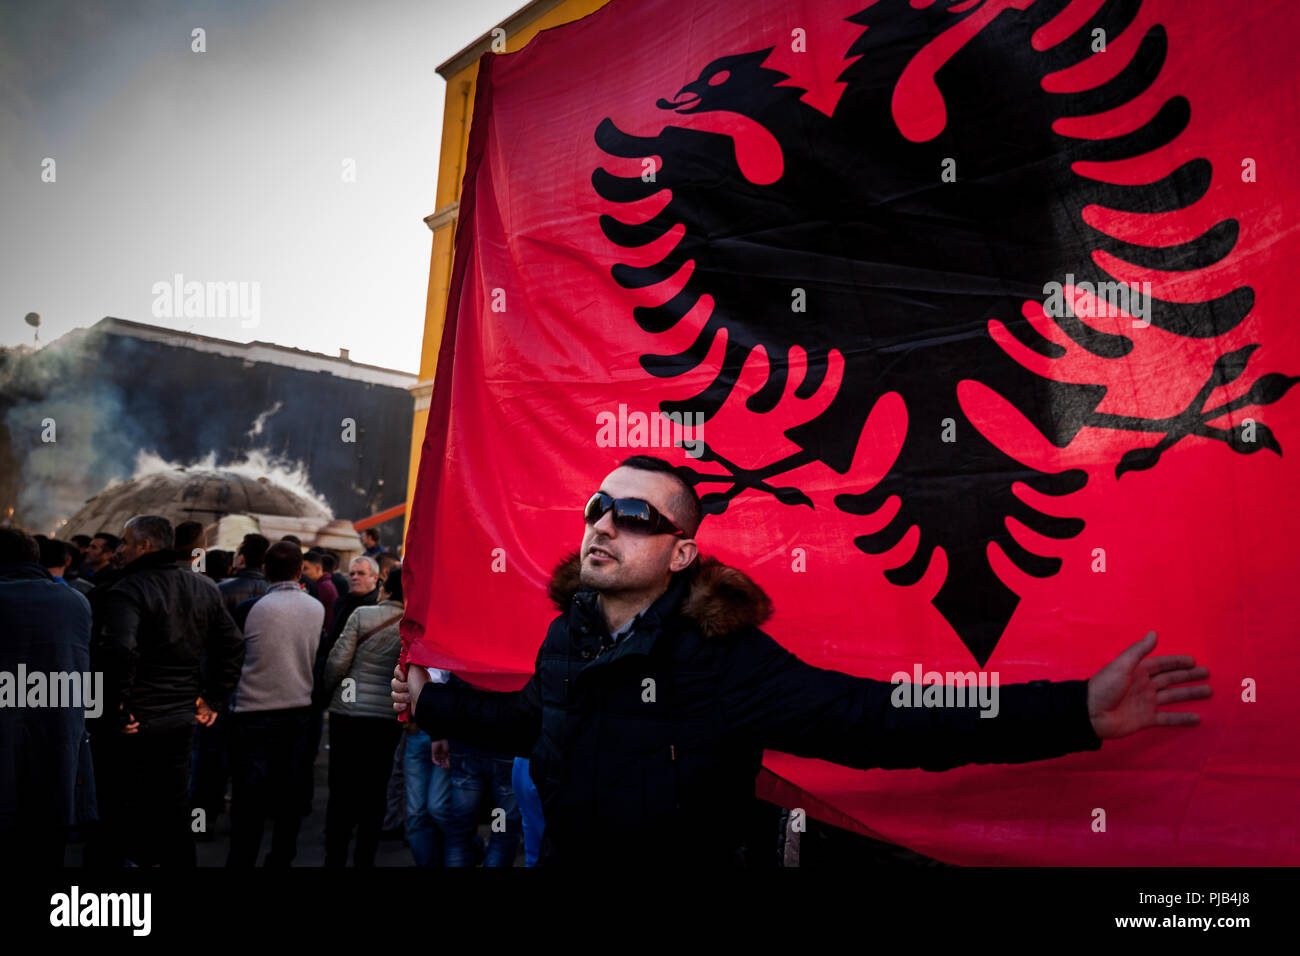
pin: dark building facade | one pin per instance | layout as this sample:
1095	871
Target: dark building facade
89	408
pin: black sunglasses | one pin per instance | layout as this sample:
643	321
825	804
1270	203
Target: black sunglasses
630	514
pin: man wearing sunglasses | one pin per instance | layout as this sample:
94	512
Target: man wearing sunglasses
655	694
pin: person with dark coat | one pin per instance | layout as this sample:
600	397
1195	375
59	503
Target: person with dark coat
56	557
219	564
363	591
99	555
656	692
370	542
192	545
237	583
330	562
171	656
45	768
78	553
248	580
313	570
82	542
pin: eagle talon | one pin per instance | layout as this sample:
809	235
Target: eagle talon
1195	418
715	502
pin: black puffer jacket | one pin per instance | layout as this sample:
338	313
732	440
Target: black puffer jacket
152	628
642	753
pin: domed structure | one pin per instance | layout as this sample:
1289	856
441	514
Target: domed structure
228	503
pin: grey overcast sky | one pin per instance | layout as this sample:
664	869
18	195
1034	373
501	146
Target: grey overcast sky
226	165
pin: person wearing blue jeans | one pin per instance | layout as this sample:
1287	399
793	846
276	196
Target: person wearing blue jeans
475	772
428	800
530	810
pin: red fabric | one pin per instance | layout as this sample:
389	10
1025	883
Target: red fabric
1199	547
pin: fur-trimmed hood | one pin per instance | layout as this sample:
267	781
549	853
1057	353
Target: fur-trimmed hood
720	599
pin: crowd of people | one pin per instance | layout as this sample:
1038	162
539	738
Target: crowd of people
219	673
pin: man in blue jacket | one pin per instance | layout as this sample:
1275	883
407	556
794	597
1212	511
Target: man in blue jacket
44	754
655	694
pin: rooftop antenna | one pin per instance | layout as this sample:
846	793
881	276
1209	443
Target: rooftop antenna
34	320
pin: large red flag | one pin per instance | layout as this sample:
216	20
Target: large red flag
977	318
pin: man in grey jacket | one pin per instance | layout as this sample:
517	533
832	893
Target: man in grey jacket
271	711
363	728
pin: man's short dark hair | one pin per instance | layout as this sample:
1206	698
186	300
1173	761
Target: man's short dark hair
315	557
155	529
329	561
372	534
75	556
685	503
283	561
17	546
111	540
393	584
54	553
217	565
293	539
189	535
254	548
81	540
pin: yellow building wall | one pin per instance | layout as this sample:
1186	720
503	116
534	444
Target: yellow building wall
458	109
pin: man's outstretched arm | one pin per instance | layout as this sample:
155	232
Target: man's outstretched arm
786	704
506	723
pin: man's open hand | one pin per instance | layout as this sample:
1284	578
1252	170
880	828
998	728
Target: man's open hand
1125	695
